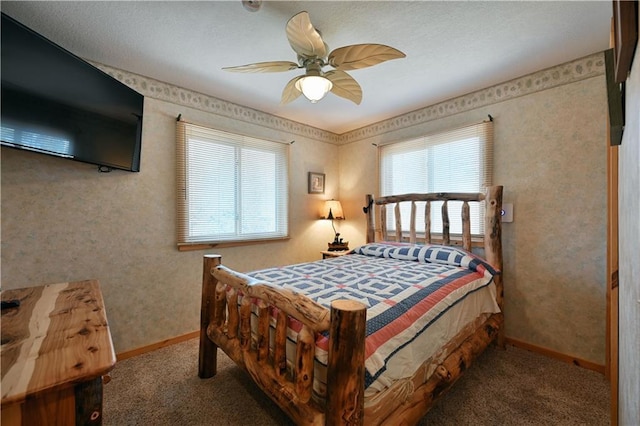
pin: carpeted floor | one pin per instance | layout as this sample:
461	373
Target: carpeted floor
512	387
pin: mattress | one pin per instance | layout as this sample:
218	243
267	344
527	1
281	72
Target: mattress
418	298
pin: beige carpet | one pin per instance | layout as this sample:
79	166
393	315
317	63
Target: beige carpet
512	387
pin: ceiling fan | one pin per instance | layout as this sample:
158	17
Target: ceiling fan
307	42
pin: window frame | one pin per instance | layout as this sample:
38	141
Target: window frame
484	130
185	240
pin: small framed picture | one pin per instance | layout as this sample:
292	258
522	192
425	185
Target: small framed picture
316	183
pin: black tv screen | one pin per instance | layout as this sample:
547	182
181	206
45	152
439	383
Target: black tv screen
53	102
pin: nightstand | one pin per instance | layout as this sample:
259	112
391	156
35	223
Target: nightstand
326	253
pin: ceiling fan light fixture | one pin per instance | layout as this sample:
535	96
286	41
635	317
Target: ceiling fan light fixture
314	87
312	56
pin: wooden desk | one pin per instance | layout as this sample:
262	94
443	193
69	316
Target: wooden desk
56	346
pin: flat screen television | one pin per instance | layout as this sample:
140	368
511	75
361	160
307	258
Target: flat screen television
55	103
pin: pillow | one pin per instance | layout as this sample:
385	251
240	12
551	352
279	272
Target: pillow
427	253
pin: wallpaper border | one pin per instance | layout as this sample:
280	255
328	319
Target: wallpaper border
180	96
570	72
579	69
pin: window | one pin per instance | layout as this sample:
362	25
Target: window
459	160
230	187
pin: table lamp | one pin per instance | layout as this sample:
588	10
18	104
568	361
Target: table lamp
332	210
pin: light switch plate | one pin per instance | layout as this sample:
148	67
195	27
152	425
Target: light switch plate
507	212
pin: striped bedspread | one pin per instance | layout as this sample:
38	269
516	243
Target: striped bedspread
406	289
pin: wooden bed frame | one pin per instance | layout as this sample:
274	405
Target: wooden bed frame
225	326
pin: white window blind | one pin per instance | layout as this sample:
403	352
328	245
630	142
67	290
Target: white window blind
230	187
459	160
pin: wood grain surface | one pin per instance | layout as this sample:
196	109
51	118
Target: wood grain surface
57	337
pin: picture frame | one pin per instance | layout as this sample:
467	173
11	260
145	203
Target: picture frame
625	36
316	183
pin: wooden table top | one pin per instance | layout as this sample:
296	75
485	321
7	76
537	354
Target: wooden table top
57	337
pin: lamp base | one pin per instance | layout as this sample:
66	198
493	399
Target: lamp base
338	246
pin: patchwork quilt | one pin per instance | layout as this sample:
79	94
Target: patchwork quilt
406	289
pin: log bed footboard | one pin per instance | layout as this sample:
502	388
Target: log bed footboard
226	324
230	329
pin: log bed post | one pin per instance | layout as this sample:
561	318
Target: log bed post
493	246
207	360
345	369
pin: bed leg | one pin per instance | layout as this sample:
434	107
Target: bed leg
207	359
345	369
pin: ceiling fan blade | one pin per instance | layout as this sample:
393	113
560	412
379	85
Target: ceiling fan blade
276	66
359	56
291	92
303	38
345	86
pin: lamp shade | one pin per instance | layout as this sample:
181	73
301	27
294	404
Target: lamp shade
314	87
332	210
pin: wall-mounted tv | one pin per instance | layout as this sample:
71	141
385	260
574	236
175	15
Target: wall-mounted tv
55	103
615	99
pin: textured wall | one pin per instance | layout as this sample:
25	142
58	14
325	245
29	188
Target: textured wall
550	155
629	291
64	221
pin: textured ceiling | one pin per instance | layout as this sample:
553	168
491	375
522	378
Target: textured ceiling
452	48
